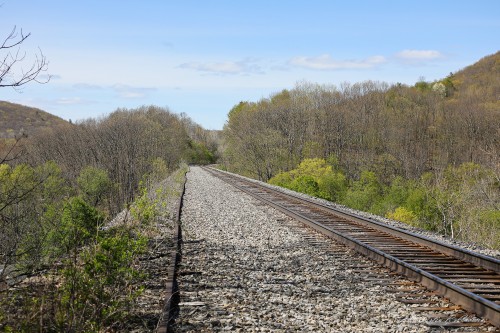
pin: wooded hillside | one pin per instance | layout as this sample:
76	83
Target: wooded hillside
16	119
438	141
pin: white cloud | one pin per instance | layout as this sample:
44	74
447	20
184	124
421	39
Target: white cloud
419	55
123	90
326	62
247	66
227	67
72	101
126	91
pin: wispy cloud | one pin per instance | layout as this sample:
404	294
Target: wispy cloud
326	62
126	91
72	101
122	90
419	55
246	66
87	86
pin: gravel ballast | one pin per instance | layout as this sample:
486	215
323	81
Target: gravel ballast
248	268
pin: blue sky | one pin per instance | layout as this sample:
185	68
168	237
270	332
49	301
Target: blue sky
203	57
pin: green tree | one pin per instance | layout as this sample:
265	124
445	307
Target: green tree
27	196
95	184
78	226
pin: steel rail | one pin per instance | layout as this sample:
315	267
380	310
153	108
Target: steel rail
169	310
469	300
476	259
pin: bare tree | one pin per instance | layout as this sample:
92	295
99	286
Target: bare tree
12	74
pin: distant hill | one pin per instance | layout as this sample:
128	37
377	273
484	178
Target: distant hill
481	79
16	119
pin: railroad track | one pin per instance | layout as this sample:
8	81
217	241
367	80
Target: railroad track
467	279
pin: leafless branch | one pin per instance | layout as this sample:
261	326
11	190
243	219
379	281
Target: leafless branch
10	62
10	40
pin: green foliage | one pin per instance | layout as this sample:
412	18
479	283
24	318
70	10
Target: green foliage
237	109
315	167
144	208
397	192
200	154
94	183
394	195
78	226
364	193
98	288
16	184
315	177
96	277
43	221
150	205
282	179
398	132
180	174
423	85
27	198
333	186
403	215
420	202
488	228
305	184
159	170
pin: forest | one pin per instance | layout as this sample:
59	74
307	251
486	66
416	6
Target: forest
427	155
59	190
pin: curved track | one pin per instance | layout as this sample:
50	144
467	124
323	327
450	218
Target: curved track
466	278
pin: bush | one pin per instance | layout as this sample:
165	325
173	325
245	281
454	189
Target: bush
305	184
97	289
403	215
144	208
314	176
488	228
333	186
283	179
364	193
79	224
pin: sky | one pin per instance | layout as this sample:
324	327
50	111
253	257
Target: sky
203	57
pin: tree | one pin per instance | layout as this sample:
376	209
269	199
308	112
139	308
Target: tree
11	57
28	196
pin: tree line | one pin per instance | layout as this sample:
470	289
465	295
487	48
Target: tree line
398	130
